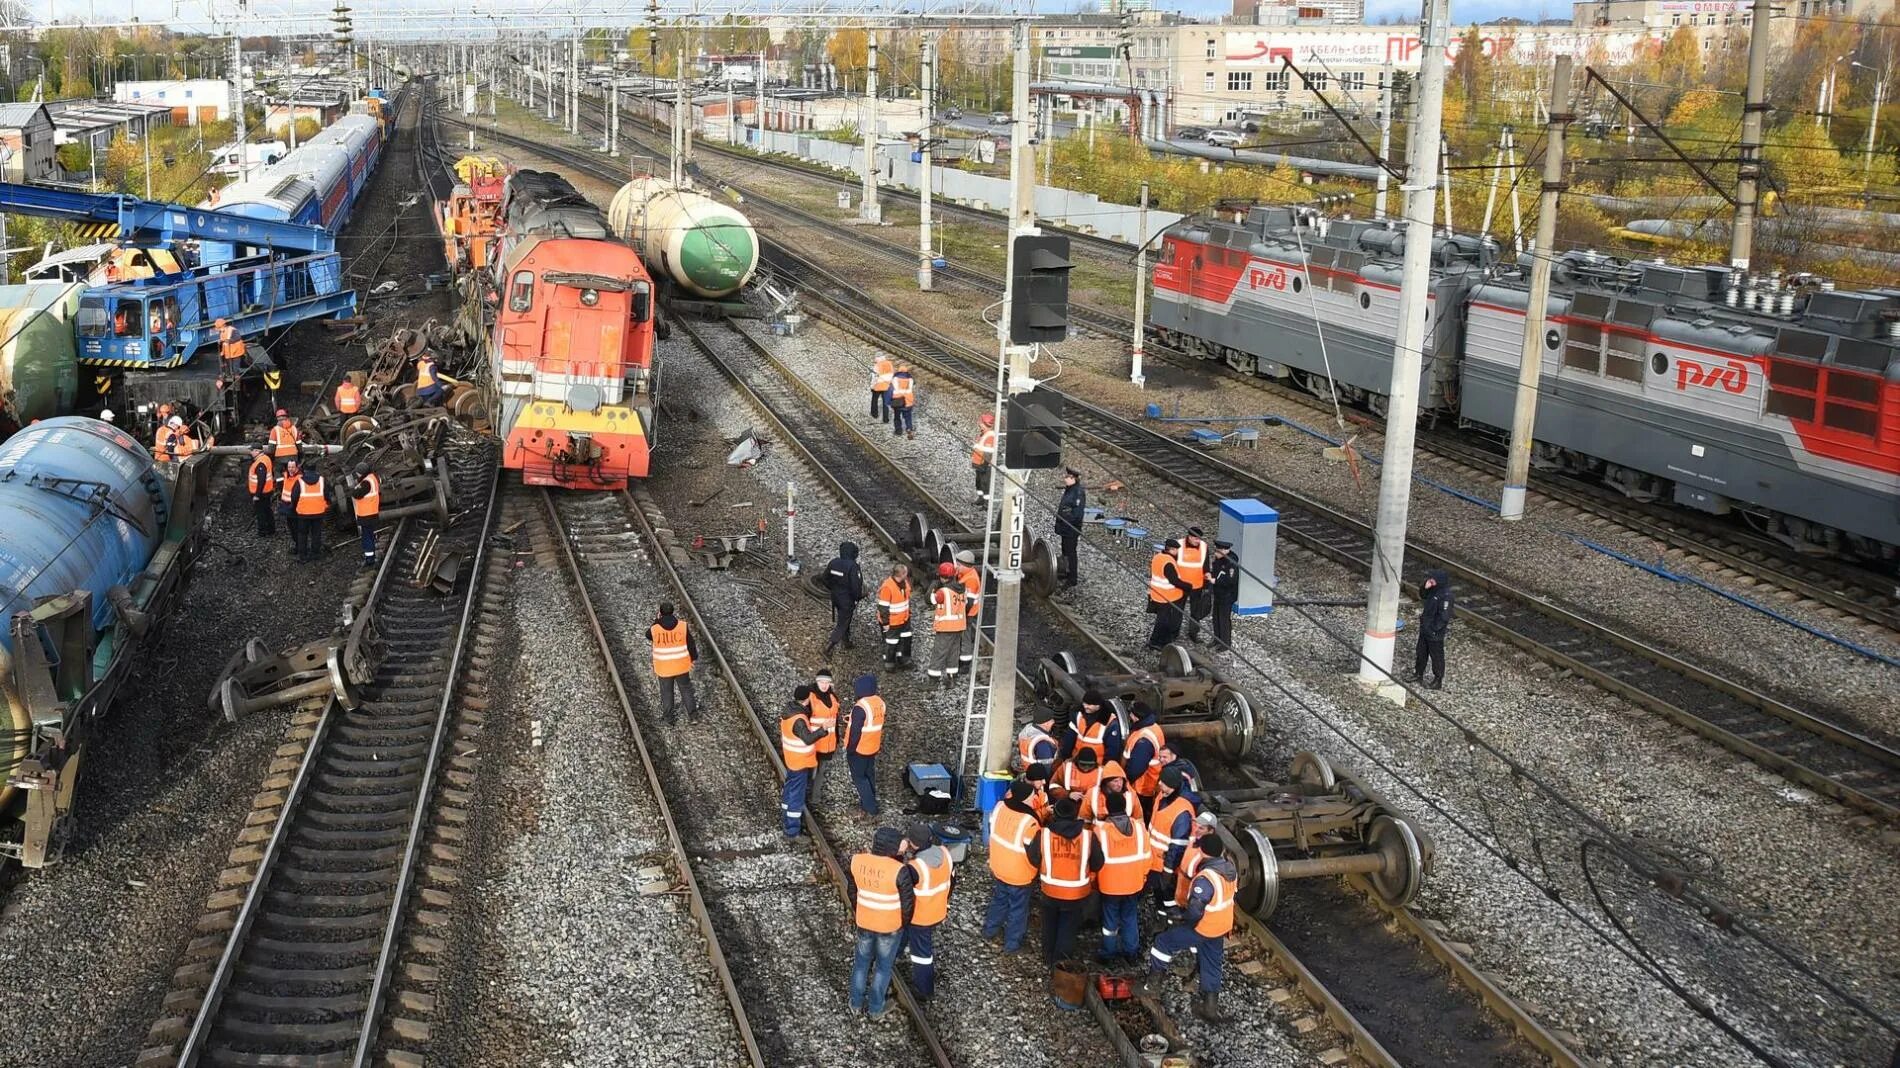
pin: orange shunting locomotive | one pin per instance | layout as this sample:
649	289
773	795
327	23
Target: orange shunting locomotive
572	345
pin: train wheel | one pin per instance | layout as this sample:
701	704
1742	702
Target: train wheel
1057	682
1259	889
1177	661
1398	881
1311	769
1236	716
1039	567
918	530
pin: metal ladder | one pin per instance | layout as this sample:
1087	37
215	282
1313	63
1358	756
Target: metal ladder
976	706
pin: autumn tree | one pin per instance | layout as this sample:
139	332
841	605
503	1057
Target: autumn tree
848	50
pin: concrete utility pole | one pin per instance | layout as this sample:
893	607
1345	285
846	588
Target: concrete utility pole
1530	366
1385	140
1401	420
613	138
732	109
1141	291
1000	736
926	248
869	210
574	84
237	109
1741	241
758	105
679	123
547	53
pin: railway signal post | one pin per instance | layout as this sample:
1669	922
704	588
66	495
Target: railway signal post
1006	485
1401	420
1530	366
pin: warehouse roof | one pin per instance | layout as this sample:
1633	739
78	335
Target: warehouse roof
15	116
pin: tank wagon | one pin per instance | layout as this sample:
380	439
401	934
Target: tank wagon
572	344
1775	398
691	242
97	547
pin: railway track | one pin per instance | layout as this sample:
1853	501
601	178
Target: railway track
761	895
1478	1025
307	972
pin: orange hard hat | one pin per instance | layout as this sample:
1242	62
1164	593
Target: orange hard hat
987	418
281	414
947	570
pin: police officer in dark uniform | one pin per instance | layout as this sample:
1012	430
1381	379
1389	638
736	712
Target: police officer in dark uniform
846	585
1223	580
1069	524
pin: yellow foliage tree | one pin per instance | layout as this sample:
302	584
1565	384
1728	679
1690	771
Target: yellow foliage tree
849	50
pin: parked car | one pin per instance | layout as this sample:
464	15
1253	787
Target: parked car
1225	138
953	114
1190	133
999	118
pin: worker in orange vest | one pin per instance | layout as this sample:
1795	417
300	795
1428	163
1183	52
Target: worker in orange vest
893	614
983	454
947	623
863	737
1075	777
881	372
1110	795
882	891
1204	929
429	388
1166	592
935	870
674	652
261	480
231	347
1123	842
172	442
1190	562
366	499
309	508
1170	829
1096	727
1013	829
349	399
972	581
798	740
286	483
1067	863
1037	743
903	403
1141	753
824	716
284	439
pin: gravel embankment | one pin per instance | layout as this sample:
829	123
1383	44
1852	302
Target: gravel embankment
1745	831
573	944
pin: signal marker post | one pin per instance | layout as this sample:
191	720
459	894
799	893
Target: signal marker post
1401	421
1530	366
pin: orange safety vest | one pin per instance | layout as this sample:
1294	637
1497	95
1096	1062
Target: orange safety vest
283	440
1191	860
880	908
162	444
1095	804
183	445
1124	858
230	345
948	616
290	483
310	499
1074	780
933	887
1033	735
895	599
824	716
1190	562
1218	919
972	590
869	740
881	374
904	389
1040	802
1093	738
1161	827
984	450
1010	834
349	399
1160	590
425	373
369	504
1065	866
1150	782
261	477
799	755
670	657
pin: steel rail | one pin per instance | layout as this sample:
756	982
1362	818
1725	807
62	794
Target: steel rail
695	900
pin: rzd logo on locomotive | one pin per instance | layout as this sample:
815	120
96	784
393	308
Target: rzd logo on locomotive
1261	278
1730	378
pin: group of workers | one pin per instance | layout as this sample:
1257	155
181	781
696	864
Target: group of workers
894	396
282	484
1189	582
954	600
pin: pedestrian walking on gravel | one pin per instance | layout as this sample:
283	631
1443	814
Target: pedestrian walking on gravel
893	616
1223	583
863	737
903	403
674	652
1069	512
882	890
260	478
846	584
1434	620
931	861
823	704
798	743
947	623
983	454
881	373
1013	827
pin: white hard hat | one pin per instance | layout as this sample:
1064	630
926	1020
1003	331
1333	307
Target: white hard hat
174	421
106	415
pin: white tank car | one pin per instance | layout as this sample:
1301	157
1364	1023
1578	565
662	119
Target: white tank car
706	247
